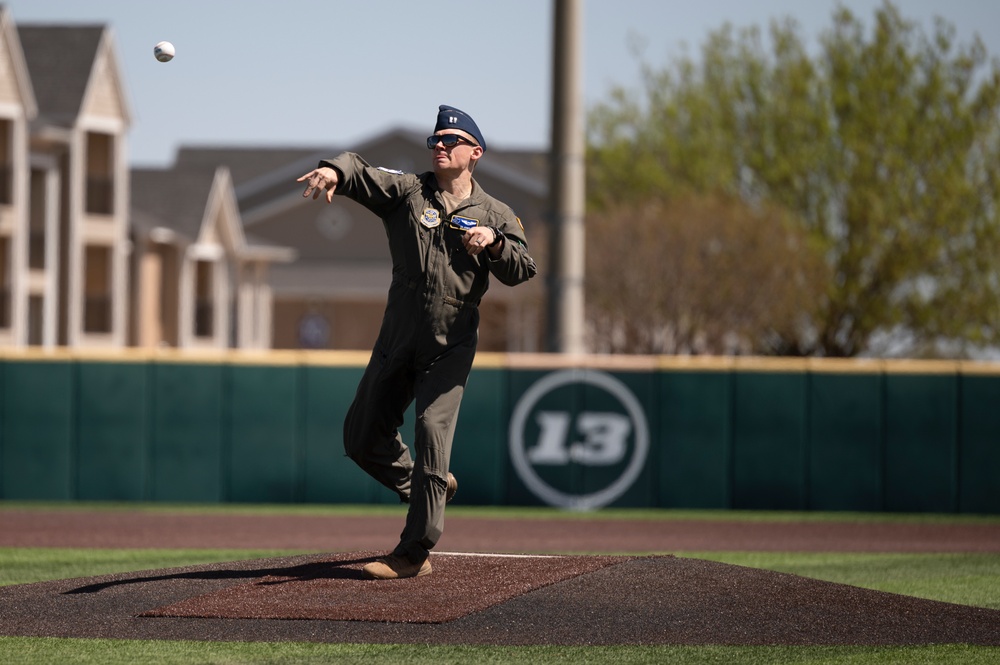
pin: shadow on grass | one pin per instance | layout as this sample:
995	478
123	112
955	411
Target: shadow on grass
343	569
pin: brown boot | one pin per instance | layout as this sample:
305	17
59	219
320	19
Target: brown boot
452	488
394	567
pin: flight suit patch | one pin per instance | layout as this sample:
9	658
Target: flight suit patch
430	218
463	223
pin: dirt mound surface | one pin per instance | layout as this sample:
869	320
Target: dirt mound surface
475	599
335	590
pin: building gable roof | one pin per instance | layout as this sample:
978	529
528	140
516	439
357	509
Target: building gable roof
16	85
179	202
174	199
60	60
105	95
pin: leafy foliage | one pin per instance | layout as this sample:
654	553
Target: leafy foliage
882	149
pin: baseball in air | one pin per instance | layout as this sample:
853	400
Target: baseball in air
164	51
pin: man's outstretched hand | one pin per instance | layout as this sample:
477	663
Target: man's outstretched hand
319	179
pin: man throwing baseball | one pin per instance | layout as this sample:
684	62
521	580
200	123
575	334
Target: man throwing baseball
446	236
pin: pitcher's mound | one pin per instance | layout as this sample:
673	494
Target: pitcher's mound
333	589
487	599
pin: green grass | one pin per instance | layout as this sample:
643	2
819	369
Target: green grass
114	652
22	565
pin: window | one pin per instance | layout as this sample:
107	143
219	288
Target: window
204	307
36	320
36	222
97	289
100	173
6	171
5	298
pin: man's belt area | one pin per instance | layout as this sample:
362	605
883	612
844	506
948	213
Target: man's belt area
418	285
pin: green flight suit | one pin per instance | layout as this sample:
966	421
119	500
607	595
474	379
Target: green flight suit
428	337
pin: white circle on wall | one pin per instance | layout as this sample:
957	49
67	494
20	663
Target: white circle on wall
520	456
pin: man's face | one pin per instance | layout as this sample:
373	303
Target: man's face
458	157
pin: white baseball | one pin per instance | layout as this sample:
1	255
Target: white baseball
164	51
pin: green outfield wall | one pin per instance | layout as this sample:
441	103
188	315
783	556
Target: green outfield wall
744	433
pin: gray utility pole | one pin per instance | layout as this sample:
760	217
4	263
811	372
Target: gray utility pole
567	239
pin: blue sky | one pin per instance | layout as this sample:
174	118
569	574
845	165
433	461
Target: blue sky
337	71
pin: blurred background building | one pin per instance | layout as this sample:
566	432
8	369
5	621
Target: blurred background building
218	250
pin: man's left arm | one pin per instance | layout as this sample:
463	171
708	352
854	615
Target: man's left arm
508	256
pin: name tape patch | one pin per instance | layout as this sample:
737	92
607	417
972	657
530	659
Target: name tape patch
464	223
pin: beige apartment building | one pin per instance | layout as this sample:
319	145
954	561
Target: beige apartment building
87	259
64	222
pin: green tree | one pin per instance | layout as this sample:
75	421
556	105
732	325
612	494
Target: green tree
883	147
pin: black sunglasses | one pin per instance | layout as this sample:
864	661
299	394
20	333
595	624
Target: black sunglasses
447	140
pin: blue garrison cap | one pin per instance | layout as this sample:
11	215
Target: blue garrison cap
450	117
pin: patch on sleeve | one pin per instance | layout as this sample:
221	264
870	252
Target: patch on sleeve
463	223
392	171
